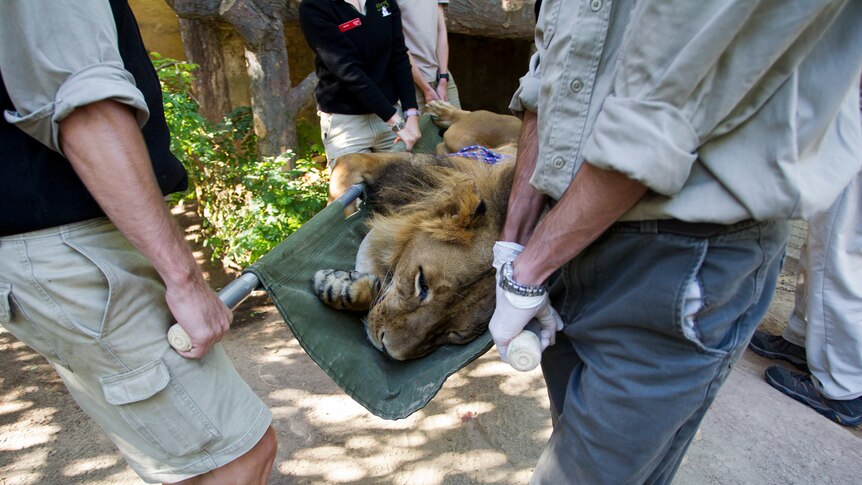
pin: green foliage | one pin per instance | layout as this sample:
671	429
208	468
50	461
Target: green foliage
248	205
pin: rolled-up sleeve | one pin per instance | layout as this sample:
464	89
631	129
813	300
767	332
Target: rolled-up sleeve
59	55
690	72
526	97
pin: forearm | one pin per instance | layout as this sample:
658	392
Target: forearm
442	42
595	200
525	203
420	81
104	145
401	65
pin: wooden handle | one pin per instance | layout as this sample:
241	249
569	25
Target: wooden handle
231	295
179	339
525	351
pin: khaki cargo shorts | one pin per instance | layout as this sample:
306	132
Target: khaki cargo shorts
84	298
367	133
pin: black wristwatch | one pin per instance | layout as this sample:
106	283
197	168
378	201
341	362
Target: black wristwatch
443	75
512	286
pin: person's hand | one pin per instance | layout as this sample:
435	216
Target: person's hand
200	313
514	312
442	92
429	93
410	134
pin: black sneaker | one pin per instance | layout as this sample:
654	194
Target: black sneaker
775	347
799	387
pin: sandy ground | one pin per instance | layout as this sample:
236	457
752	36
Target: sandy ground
486	426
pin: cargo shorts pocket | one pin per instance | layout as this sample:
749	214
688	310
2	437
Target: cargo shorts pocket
159	409
325	125
5	307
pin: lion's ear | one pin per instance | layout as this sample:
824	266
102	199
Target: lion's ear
463	205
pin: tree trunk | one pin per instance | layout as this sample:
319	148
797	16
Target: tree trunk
269	76
261	27
507	19
268	72
203	47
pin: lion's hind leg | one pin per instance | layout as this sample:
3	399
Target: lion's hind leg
444	114
346	290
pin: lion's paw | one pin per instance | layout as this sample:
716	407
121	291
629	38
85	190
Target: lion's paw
346	290
443	114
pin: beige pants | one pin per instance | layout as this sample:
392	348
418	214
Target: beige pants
827	317
84	298
430	132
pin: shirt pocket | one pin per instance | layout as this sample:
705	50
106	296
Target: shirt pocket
159	409
548	20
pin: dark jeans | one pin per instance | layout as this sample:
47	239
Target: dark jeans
654	322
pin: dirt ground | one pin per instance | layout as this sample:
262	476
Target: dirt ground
486	426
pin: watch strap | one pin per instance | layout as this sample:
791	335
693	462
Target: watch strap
508	283
397	126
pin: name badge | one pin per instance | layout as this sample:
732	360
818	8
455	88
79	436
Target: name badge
350	24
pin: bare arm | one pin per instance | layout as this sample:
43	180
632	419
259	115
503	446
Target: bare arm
442	53
595	200
105	147
525	203
427	91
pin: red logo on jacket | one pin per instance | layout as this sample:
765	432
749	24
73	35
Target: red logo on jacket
350	24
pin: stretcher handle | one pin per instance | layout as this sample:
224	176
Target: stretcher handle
231	295
525	350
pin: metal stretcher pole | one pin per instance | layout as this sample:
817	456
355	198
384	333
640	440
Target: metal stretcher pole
239	289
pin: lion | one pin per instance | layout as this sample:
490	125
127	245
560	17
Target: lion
423	272
465	128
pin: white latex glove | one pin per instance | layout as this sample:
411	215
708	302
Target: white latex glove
514	312
504	252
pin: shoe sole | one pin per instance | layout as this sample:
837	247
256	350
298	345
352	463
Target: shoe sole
799	364
816	405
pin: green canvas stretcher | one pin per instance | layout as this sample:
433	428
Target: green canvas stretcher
335	339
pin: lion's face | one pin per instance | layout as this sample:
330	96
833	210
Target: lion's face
435	263
439	292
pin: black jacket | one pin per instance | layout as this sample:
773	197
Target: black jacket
361	60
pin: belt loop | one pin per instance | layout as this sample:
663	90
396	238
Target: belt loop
649	227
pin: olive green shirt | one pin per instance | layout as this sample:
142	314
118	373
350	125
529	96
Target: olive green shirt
726	110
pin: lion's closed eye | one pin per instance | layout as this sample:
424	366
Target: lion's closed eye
421	285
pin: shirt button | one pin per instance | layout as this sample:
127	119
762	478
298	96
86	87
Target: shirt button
559	162
577	85
596	5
